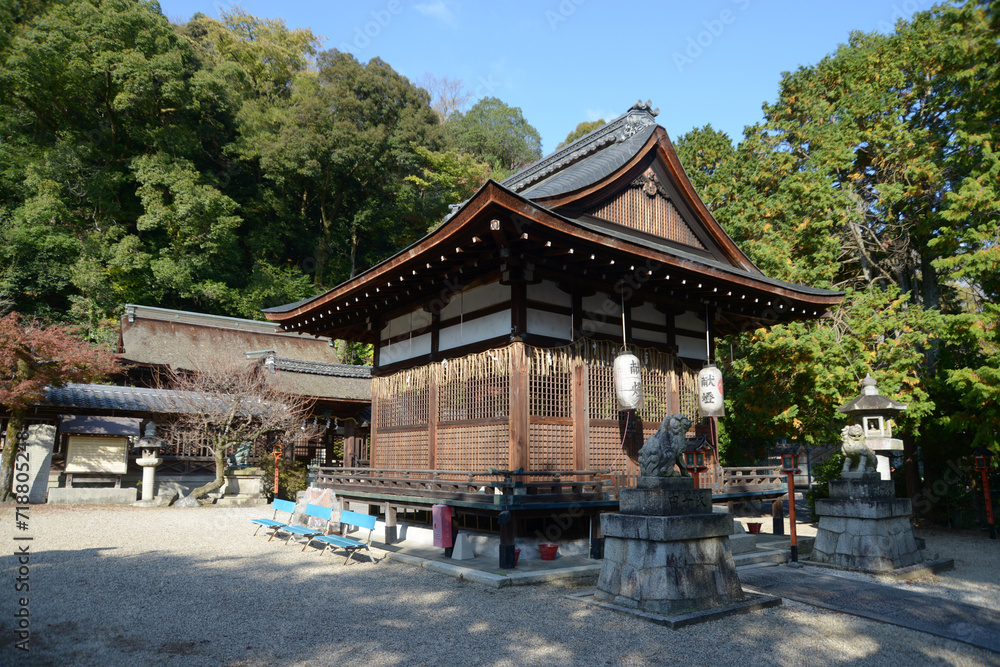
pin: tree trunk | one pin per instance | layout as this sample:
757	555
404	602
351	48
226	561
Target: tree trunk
220	478
14	426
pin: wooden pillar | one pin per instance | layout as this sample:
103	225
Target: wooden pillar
518	442
432	419
579	414
373	433
391	534
350	444
507	545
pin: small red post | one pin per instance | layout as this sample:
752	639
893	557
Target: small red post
277	455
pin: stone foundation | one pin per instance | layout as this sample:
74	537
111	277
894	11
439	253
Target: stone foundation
666	552
863	527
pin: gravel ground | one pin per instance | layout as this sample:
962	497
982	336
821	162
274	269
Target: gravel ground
126	586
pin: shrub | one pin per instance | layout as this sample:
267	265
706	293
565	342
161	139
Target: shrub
823	474
292	478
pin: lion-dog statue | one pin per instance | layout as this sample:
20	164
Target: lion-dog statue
857	454
665	448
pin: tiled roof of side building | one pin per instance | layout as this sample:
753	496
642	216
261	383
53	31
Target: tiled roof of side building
320	368
112	397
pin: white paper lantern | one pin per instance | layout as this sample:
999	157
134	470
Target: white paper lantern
710	397
628	381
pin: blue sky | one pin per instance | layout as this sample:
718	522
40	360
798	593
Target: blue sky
565	61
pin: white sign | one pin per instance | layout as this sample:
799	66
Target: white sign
86	454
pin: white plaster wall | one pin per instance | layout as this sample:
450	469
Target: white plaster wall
612	327
405	349
475	330
693	348
602	303
647	334
548	292
690	320
412	321
476	298
648	313
555	325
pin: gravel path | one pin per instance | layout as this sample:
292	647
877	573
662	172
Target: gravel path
127	586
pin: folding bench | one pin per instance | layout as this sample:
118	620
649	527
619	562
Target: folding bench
278	505
348	518
315	511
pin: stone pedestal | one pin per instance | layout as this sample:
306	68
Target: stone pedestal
41	440
863	526
665	552
148	464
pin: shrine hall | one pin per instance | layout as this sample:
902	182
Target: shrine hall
495	335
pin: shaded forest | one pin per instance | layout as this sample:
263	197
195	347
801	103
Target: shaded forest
221	165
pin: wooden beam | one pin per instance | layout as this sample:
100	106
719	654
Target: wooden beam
578	399
518	440
432	420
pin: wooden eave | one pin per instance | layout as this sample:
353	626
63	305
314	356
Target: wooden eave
498	231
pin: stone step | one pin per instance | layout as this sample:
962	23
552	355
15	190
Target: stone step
240	501
772	556
757	566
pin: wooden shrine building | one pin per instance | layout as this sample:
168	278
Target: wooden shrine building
495	334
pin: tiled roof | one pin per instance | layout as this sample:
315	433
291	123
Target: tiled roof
320	368
128	399
589	159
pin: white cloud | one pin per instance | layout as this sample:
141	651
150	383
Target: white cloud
437	10
596	114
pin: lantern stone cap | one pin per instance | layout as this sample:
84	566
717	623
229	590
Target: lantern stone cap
150	440
871	400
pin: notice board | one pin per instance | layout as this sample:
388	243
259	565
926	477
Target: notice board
90	454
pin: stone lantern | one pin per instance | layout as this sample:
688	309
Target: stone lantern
150	446
874	413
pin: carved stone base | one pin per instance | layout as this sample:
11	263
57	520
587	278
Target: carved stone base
679	564
667	553
863	527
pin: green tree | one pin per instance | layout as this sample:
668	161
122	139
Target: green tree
874	171
496	134
340	151
446	178
584	128
704	152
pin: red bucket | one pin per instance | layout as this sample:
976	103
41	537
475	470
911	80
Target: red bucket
548	551
754	527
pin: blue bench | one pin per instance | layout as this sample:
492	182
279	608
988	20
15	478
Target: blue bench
315	511
278	505
348	518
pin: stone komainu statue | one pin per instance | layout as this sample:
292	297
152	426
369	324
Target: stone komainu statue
856	451
665	448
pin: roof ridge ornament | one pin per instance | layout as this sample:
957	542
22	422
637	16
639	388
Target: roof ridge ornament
640	116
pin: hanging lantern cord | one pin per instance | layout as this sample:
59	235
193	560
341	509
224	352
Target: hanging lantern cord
624	344
621	448
708	344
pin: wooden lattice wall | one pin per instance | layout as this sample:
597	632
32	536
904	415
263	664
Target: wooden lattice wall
642	207
456	414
